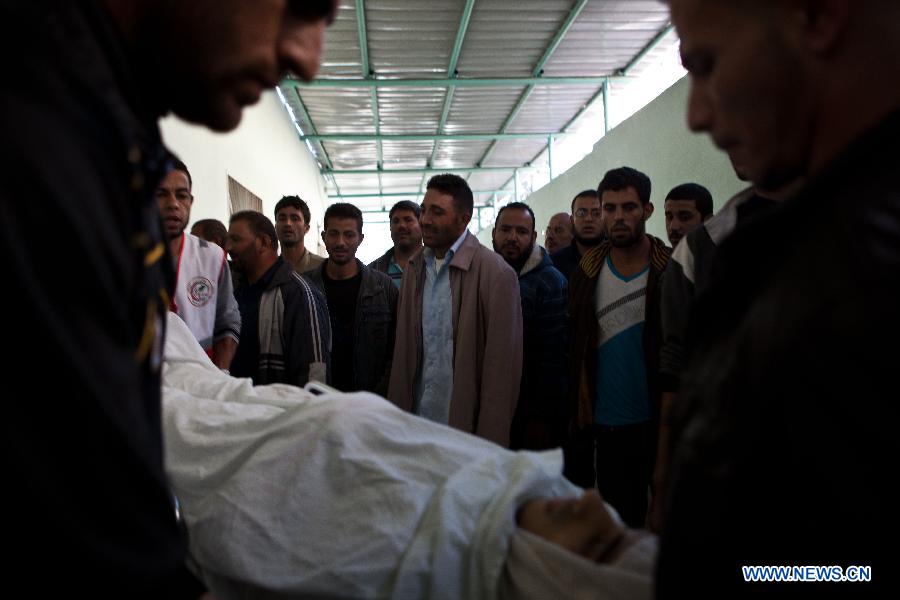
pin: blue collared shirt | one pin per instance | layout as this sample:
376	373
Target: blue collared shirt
434	387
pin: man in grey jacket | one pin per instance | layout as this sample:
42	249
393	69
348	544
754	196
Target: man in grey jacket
458	357
285	331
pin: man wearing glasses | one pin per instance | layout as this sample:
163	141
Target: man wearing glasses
588	232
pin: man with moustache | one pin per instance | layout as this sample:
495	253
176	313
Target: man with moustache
362	304
588	232
541	416
785	432
615	324
458	357
203	298
407	236
686	207
292	224
85	84
559	232
285	329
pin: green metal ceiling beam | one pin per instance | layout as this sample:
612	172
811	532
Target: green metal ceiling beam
423	170
625	72
407	194
560	34
538	71
426	137
304	114
363	37
445	82
367	73
451	74
460	37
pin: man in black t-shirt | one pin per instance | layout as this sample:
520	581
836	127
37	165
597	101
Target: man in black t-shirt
362	303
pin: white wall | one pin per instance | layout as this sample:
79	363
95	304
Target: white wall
656	141
264	154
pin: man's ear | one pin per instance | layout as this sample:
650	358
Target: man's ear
822	22
533	236
305	228
322	234
648	210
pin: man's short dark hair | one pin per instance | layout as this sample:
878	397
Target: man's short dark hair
405	205
584	194
693	191
519	206
623	178
294	202
456	186
176	165
344	210
259	225
213	230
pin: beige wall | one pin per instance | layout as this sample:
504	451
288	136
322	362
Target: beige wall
264	154
656	141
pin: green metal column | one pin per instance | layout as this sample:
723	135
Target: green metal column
605	106
550	155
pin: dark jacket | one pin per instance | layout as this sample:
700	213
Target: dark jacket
787	431
541	415
375	325
82	454
583	329
687	273
566	260
383	262
294	331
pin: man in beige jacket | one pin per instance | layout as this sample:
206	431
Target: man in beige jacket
458	353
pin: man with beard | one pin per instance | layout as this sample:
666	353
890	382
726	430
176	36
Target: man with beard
407	236
686	207
292	217
458	357
588	232
362	303
559	232
540	418
614	306
203	297
285	331
85	84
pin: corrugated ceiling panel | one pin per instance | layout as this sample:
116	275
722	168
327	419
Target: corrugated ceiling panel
336	111
458	153
405	153
481	110
411	39
410	110
352	155
549	108
357	184
514	152
341	57
490	180
414	39
506	39
607	35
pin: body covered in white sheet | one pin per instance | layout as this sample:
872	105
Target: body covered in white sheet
290	494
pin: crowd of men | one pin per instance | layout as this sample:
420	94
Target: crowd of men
528	349
744	378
